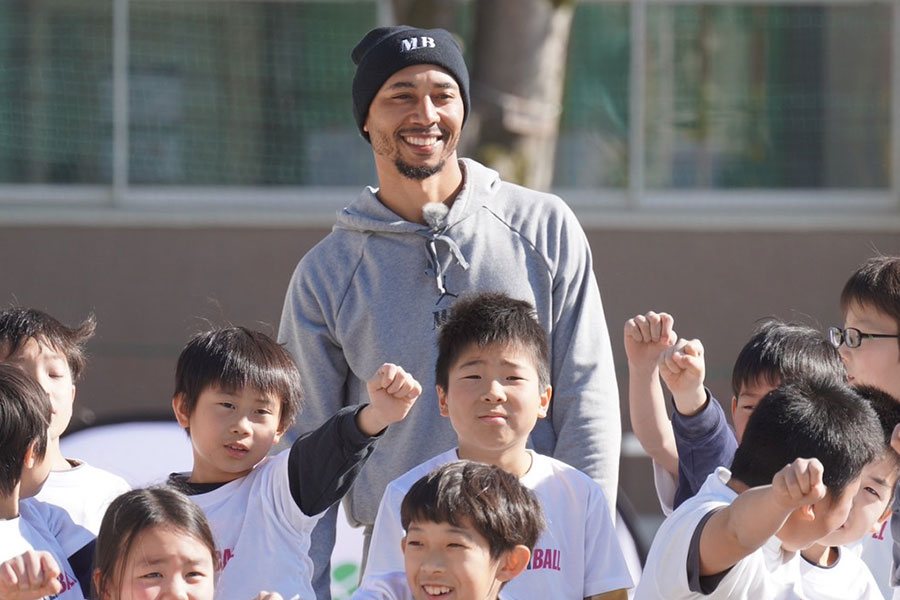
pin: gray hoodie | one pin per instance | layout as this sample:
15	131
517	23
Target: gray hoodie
376	288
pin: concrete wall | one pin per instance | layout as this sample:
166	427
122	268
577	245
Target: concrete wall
152	287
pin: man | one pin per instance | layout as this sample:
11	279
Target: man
378	286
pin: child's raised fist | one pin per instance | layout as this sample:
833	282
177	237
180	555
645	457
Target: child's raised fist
799	483
392	392
683	368
646	337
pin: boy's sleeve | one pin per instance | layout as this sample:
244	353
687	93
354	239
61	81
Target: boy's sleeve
666	485
704	441
76	542
385	555
324	463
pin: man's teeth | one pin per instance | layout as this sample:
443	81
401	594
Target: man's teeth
422	141
436	590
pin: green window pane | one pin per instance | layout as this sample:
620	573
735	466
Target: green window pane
55	56
768	96
592	150
245	93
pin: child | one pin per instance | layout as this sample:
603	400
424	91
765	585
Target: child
698	438
470	529
739	536
493	383
832	571
153	543
53	355
869	344
24	419
236	393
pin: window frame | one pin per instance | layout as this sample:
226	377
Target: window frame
635	204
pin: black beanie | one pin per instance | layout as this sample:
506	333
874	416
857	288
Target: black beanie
386	50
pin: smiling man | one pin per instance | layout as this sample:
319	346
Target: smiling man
380	284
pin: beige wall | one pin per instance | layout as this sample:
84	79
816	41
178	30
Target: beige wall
152	287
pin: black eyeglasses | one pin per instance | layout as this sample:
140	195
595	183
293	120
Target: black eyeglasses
853	337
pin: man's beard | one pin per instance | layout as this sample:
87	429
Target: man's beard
418	173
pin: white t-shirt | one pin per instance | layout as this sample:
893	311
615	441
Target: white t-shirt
84	492
768	573
665	484
21	534
875	551
262	536
846	579
69	535
577	556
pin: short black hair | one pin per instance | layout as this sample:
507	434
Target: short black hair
491	318
779	351
24	419
809	418
233	358
888	410
875	283
18	325
136	511
497	505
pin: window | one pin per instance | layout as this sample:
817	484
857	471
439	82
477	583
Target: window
688	103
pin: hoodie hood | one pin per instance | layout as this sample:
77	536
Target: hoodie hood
368	215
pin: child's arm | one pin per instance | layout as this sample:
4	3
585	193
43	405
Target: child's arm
29	576
324	463
646	338
757	514
703	438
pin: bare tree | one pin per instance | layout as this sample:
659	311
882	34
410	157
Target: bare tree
518	61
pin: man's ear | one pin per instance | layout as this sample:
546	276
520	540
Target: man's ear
513	562
442	401
545	402
182	414
733	407
403	545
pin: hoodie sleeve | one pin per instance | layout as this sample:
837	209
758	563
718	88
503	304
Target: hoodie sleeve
306	330
585	404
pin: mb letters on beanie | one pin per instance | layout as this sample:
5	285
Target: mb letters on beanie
385	50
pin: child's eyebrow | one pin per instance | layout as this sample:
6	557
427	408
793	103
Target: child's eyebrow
471	363
153	561
881	481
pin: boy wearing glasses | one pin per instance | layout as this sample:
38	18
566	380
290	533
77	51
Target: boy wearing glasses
869	344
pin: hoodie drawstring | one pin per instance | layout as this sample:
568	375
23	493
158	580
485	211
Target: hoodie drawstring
431	239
